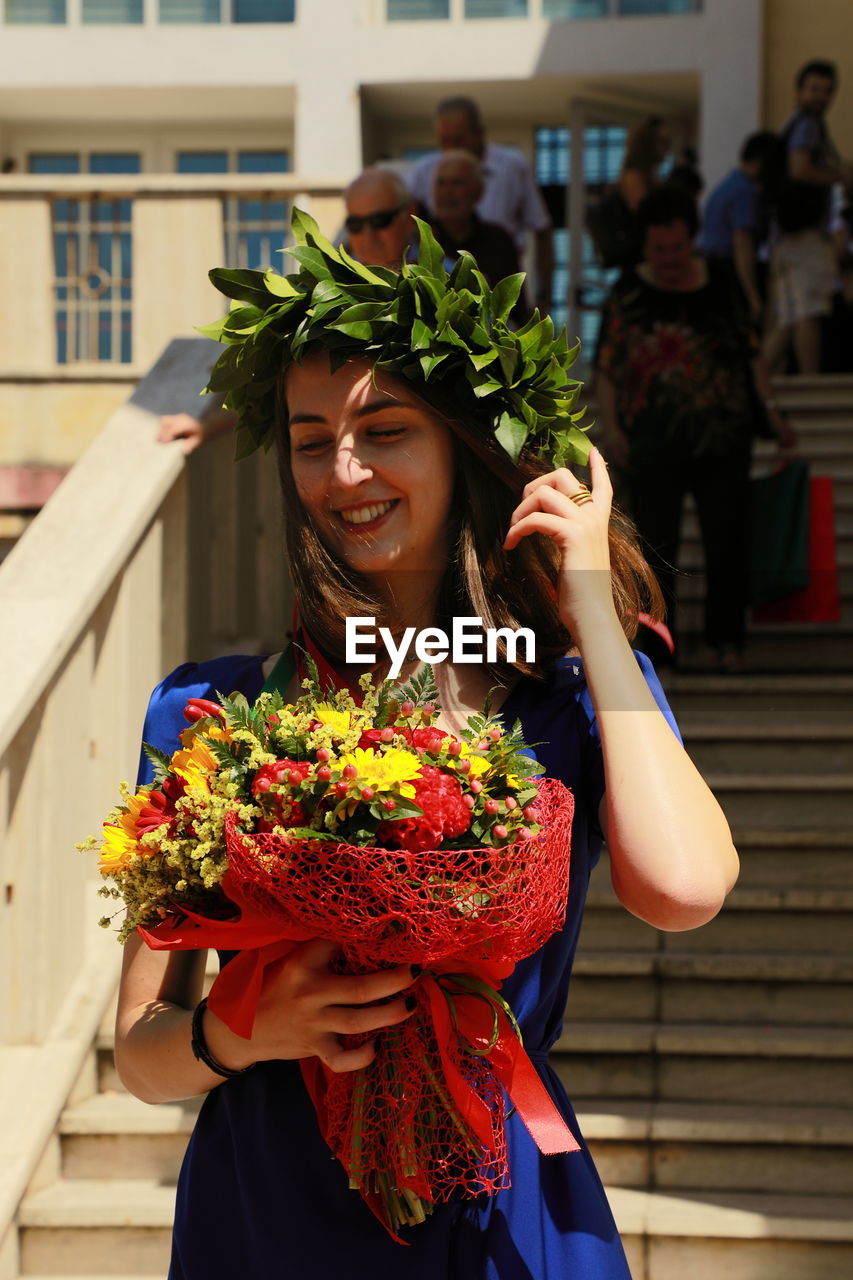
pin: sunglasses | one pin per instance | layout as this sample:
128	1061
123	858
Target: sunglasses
376	221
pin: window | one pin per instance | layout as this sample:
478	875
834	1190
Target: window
190	11
415	10
561	10
264	10
604	147
52	11
117	11
255	230
93	255
631	8
495	8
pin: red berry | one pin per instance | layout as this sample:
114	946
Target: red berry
524	833
324	773
468	801
341	788
367	793
261	784
491	806
429	709
389	805
464	766
387	735
529	812
454	749
294	777
511	803
476	786
323	754
499	831
495	734
350	771
407	708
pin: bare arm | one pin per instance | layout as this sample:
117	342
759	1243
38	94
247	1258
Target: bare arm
802	168
303	1010
744	259
614	442
192	431
672	857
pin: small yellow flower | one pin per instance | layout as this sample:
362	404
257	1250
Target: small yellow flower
392	770
340	722
194	764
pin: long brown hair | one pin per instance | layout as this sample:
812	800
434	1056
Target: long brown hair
642	149
506	589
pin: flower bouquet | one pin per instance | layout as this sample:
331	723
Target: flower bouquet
367	824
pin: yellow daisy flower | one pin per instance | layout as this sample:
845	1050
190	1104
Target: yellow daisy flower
392	770
121	841
340	722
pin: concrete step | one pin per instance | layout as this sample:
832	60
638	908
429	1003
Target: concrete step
791	648
701	1235
760	699
668	1234
710	987
793	800
799	858
814	391
802	746
714	1147
116	1131
103	1227
731	1063
742	932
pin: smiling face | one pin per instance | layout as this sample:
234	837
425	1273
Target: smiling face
373	467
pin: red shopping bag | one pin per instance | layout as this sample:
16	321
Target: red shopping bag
819	601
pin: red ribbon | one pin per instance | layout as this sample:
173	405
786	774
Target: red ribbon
261	942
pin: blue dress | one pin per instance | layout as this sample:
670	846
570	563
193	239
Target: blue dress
259	1195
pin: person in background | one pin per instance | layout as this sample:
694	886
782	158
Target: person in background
648	147
379	224
510	196
678	372
456	188
379	229
732	218
803	262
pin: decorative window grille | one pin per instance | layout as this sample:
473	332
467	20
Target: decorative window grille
93	257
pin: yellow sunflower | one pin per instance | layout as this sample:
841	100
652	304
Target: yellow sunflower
121	841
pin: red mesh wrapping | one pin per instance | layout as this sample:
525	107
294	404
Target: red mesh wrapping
427	1116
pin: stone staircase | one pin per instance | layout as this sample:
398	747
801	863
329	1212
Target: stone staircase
712	1071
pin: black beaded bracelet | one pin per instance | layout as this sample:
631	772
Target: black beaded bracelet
201	1050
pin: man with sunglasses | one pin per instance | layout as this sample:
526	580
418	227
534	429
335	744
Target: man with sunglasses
379	223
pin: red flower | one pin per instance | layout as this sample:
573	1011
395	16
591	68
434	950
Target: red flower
160	808
444	813
280	807
428	739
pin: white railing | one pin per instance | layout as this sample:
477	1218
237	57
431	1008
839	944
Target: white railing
138	562
109	268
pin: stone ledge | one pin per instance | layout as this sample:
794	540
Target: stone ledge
715	966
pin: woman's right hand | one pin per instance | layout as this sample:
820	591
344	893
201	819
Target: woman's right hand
304	1008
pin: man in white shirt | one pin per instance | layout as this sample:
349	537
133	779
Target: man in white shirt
510	195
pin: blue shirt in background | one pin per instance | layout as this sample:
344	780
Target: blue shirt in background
732	206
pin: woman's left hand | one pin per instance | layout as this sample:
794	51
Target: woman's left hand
550	505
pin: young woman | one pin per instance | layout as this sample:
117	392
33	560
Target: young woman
399	511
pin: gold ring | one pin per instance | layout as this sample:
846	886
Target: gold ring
580	498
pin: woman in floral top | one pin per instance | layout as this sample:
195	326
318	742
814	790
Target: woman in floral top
678	380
